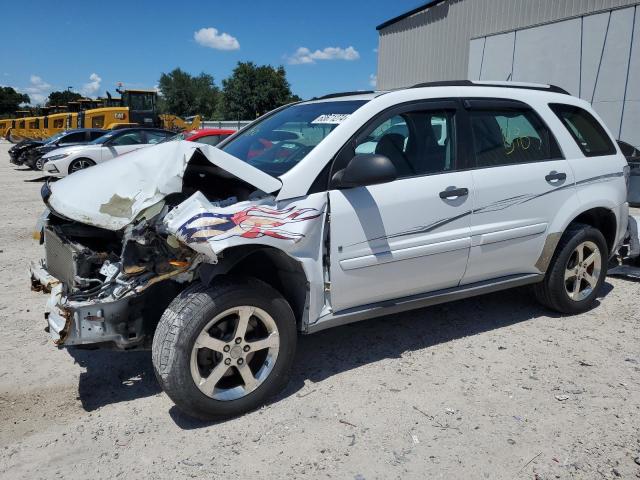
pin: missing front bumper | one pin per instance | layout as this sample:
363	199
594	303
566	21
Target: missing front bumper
118	323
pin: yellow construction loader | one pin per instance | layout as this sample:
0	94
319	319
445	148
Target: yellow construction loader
136	107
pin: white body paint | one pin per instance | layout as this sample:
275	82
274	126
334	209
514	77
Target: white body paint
382	242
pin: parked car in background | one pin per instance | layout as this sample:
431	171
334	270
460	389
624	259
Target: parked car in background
64	161
32	158
210	136
16	152
632	154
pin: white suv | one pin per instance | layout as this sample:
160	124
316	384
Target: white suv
217	258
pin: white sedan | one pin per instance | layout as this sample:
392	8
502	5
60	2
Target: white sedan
64	161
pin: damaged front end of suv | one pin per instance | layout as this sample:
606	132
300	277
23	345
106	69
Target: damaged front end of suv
118	252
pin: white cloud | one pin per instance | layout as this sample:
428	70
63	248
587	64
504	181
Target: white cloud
305	56
92	87
373	80
38	90
211	38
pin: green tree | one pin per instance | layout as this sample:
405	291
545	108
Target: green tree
62	97
183	94
10	100
253	90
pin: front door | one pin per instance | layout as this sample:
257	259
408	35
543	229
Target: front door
522	182
411	235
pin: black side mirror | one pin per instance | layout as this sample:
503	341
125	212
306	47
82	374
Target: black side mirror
365	169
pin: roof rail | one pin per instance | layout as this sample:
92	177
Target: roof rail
343	94
469	83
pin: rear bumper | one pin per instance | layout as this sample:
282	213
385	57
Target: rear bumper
92	321
622	214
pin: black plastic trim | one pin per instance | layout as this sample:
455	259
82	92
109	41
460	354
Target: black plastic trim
470	83
422	300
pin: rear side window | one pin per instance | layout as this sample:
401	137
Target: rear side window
585	130
94	135
510	136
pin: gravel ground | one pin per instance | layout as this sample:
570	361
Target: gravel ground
492	387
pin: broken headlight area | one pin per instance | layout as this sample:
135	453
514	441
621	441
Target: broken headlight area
109	287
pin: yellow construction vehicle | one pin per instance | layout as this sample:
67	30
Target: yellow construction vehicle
5	125
136	107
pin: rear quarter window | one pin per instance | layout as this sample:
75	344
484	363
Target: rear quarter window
585	130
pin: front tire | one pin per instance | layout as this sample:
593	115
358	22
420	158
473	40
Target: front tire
39	164
80	164
576	272
222	350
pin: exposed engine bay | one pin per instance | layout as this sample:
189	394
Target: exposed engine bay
111	286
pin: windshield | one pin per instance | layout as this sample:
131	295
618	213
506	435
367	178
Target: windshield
103	138
53	138
277	143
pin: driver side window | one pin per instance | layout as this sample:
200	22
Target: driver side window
417	142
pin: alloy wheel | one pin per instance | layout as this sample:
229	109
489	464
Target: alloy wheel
234	353
583	271
80	165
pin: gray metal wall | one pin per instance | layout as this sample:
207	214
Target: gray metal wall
595	57
549	41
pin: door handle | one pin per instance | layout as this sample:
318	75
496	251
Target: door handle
555	176
454	193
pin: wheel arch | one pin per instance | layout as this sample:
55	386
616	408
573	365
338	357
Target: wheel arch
269	264
600	218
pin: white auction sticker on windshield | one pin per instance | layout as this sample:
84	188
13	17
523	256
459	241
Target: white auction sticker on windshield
332	118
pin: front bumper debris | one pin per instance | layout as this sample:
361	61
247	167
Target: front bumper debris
72	323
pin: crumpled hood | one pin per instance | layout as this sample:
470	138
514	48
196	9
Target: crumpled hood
112	194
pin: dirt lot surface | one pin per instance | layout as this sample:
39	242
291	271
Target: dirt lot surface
493	387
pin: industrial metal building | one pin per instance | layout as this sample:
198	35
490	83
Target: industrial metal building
589	47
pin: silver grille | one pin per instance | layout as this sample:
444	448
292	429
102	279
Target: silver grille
60	256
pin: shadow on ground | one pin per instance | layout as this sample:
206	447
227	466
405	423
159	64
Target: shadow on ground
38	180
113	376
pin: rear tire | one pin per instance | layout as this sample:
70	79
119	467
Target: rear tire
576	271
211	367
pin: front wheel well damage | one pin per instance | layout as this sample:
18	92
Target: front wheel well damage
268	264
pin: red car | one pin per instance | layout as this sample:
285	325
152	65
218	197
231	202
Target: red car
210	136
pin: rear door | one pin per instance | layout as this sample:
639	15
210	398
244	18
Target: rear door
522	181
411	235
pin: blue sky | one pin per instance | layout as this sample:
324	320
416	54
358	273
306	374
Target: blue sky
325	46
